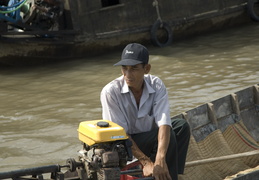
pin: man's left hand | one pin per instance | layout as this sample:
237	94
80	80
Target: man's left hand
160	171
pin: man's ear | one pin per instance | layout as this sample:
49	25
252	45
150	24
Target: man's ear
147	68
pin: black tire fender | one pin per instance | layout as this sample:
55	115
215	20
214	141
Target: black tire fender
155	27
250	8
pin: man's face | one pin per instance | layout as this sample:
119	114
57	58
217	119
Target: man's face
134	75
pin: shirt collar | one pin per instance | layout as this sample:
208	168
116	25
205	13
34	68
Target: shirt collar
125	87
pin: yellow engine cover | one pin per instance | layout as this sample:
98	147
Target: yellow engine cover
98	131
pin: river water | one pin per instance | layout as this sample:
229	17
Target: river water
41	106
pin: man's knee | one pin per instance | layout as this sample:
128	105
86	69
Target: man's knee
181	126
186	127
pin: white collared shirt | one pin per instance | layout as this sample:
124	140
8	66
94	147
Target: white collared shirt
119	105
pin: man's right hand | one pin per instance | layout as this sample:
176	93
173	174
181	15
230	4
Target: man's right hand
148	168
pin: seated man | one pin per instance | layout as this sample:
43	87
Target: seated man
139	103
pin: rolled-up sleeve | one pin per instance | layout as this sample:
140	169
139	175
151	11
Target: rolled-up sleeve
161	107
111	109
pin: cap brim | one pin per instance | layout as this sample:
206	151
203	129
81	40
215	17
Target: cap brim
127	62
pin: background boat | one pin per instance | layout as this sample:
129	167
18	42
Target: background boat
51	29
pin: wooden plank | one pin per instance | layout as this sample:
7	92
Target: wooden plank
221	158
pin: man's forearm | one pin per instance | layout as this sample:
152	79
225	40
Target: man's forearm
163	141
148	165
139	154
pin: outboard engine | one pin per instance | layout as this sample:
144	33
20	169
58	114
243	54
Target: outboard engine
106	150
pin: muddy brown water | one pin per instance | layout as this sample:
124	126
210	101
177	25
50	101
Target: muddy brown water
41	106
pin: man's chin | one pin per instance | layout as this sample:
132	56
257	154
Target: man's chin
130	86
129	83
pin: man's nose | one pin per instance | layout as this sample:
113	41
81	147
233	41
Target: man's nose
128	73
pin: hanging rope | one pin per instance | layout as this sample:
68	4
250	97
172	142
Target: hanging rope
155	4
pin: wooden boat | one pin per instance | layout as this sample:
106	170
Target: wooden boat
47	29
224	141
226	133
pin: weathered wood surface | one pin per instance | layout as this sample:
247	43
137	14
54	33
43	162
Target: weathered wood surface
220	113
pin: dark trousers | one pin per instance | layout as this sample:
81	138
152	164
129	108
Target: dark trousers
177	149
